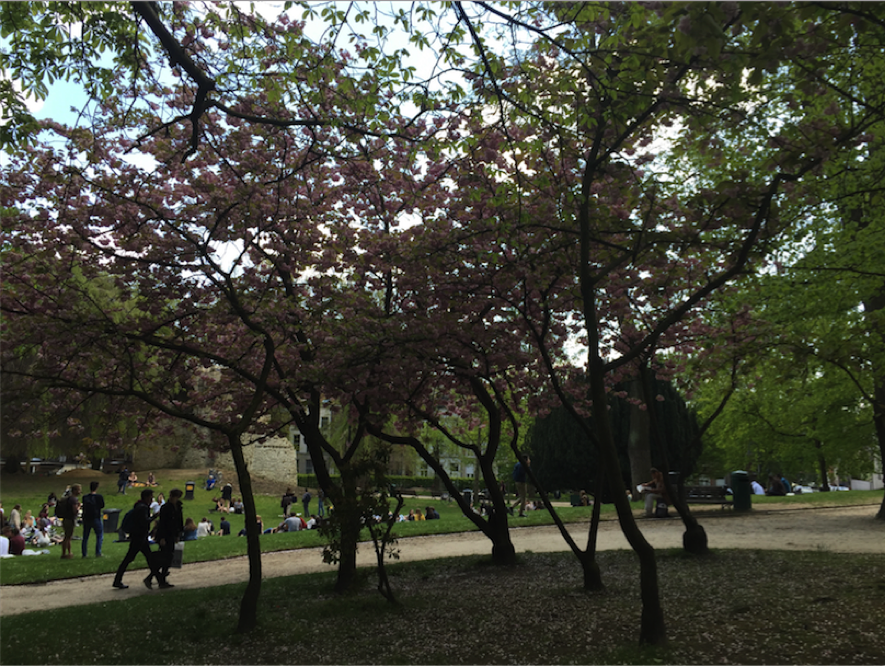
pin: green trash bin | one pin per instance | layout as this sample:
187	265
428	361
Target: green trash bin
741	490
189	490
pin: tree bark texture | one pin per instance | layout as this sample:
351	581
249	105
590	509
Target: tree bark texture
248	619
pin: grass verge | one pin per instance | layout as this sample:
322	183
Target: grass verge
732	607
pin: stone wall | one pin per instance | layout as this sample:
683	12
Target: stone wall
273	458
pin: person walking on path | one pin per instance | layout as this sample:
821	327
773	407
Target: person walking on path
70	506
93	504
138	539
306	502
169	532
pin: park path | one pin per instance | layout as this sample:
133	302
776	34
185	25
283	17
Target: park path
838	529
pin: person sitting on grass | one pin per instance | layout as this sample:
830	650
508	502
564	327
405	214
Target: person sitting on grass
16	541
259	522
237	505
775	489
151	480
204	528
40	538
224	527
431	513
189	533
29	523
291	524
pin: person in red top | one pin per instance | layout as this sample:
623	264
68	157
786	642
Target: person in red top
16	542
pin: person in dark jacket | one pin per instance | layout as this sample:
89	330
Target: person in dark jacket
169	531
138	539
93	505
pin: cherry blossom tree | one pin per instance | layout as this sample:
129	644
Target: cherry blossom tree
607	170
579	111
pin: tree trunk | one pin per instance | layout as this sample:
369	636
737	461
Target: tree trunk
695	539
652	625
587	558
349	522
873	304
342	495
503	551
880	426
248	619
592	578
638	441
822	468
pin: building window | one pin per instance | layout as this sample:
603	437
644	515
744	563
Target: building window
309	466
324	421
296	439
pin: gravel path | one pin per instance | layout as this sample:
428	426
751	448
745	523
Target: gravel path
840	529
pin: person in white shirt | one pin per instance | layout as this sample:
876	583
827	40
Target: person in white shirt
40	538
204	528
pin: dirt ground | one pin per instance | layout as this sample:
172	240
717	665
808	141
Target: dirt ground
841	529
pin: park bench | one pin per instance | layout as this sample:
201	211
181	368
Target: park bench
443	497
406	491
706	495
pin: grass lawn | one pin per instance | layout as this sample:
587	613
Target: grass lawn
732	607
31	491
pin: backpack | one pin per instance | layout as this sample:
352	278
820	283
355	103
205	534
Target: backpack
63	509
661	510
128	521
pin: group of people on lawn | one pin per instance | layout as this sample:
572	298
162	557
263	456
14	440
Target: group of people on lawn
54	524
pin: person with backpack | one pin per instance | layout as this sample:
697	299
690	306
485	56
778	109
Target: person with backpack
67	510
285	502
170	524
93	505
137	522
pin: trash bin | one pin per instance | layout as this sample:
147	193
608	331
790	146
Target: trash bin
741	490
189	490
110	518
468	495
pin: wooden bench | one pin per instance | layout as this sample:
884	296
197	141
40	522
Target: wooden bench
706	495
406	491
